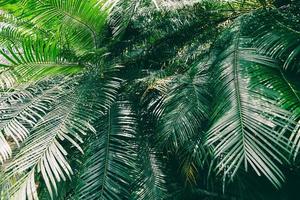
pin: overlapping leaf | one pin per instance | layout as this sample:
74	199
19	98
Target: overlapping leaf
246	128
108	170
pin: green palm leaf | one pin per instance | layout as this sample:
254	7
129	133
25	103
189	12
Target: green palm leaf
280	41
43	152
35	60
283	86
246	128
107	171
151	179
81	20
183	109
23	108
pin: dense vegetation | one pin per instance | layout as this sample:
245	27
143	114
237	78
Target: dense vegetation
149	99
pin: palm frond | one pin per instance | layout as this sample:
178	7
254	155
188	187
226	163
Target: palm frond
81	20
36	59
63	125
22	108
280	41
107	171
14	30
246	131
182	109
44	153
151	180
283	86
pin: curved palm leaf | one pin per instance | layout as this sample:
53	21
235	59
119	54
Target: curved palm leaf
81	20
151	180
283	86
37	59
182	109
107	171
70	118
44	153
23	108
247	126
280	41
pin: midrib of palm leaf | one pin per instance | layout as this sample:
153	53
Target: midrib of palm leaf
106	160
238	100
237	93
112	156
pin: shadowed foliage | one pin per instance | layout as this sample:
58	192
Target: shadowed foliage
149	99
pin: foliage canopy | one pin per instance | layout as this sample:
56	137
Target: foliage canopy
149	99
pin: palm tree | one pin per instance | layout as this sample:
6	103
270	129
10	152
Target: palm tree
149	99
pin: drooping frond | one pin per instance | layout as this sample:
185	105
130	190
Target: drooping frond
246	128
36	59
282	86
65	123
43	152
22	108
82	21
183	109
112	154
279	39
60	81
151	179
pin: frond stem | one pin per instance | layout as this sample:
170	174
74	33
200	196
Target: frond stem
109	128
237	91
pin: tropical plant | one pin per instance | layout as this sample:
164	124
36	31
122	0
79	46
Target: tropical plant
149	99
